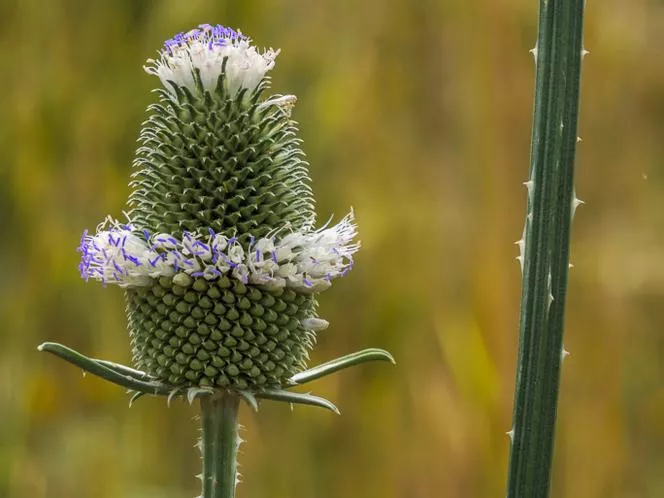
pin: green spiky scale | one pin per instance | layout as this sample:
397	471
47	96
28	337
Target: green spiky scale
230	167
210	161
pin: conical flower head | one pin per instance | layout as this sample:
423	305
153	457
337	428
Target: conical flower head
219	257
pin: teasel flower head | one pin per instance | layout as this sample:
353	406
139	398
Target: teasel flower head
220	257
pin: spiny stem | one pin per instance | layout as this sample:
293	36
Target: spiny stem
219	444
551	201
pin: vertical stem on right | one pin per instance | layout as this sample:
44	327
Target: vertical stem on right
551	204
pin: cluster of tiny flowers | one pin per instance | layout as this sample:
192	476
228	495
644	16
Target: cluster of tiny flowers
205	48
305	261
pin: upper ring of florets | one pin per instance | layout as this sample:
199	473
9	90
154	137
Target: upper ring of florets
217	35
208	51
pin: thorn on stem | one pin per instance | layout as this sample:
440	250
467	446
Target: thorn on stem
576	202
522	249
550	298
563	354
529	185
520	260
533	51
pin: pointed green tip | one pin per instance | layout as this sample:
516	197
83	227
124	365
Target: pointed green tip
386	355
297	399
349	360
250	399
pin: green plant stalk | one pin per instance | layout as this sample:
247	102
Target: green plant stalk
545	246
220	441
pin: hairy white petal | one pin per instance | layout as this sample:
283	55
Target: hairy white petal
209	51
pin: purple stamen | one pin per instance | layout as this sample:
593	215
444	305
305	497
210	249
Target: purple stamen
205	247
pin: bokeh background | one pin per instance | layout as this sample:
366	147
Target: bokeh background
417	113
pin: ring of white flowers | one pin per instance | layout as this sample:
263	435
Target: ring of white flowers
204	50
306	261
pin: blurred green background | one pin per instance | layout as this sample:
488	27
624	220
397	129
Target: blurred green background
417	113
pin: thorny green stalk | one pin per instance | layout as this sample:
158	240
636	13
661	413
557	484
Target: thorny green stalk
219	444
545	246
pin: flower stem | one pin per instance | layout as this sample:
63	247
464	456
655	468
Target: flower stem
545	249
219	444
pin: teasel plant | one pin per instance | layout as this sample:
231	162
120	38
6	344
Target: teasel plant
220	257
544	246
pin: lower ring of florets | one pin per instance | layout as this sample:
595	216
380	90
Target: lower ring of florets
306	261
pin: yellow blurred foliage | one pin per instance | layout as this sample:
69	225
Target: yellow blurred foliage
417	113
